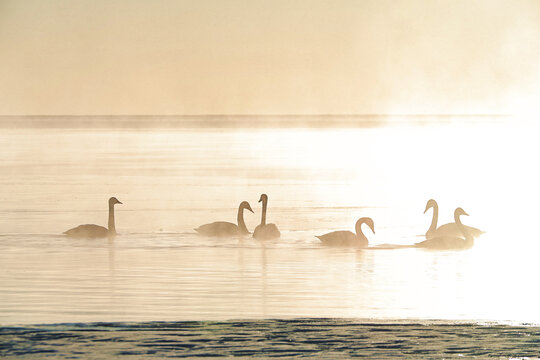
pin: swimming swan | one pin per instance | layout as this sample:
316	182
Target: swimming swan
265	231
348	238
450	229
223	228
95	231
449	242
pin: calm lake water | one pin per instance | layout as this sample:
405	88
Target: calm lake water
318	180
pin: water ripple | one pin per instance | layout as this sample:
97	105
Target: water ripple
329	338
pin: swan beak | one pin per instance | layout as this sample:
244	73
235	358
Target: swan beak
249	208
464	213
119	202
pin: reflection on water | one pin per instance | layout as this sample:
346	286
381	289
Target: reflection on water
142	277
319	181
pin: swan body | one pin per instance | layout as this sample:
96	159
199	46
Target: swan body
450	242
88	231
450	229
91	231
265	231
227	229
218	228
348	238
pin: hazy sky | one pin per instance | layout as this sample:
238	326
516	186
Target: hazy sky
268	57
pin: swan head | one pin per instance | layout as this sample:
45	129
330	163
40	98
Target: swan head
263	198
459	211
113	201
245	205
430	204
365	220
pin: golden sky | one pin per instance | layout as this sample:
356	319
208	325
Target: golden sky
268	57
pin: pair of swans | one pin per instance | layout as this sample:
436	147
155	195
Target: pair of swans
91	231
451	229
451	236
263	231
450	241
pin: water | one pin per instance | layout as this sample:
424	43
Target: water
317	338
318	180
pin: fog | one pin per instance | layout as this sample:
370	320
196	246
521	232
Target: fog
256	57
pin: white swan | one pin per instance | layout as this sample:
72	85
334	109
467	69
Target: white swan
95	231
450	229
348	238
451	242
223	228
265	231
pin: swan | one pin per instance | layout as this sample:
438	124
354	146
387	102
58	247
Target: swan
265	231
348	238
450	229
451	242
96	231
223	228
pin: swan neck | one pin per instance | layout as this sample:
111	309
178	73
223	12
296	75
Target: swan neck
462	228
112	228
263	215
360	234
434	219
240	221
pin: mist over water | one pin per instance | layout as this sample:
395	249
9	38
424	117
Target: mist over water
231	102
318	180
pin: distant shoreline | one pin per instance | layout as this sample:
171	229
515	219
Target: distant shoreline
238	121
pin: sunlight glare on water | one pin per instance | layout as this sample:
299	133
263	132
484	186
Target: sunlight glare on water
317	181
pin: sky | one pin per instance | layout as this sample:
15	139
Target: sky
183	57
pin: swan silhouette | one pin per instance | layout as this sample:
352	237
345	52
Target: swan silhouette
95	231
348	238
450	229
265	231
223	228
451	242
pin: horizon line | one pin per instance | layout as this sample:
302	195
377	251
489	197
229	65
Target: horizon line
261	115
